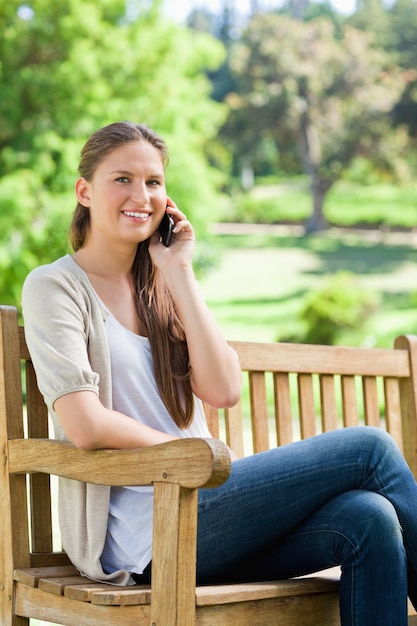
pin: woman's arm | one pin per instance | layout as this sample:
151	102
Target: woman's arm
90	426
215	369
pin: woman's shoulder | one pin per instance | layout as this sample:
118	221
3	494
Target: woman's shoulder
50	282
61	270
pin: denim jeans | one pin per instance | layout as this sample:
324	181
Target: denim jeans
346	498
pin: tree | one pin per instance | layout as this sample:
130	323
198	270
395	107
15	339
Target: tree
403	29
331	95
67	68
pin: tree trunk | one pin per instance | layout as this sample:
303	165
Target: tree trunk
247	174
317	221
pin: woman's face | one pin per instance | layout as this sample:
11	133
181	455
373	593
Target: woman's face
127	195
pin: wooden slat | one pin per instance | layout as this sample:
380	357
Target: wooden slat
40	488
309	610
225	594
234	429
259	411
328	403
393	409
349	401
49	559
306	405
283	410
313	359
408	395
212	419
45	606
23	349
122	596
57	585
31	576
108	594
370	401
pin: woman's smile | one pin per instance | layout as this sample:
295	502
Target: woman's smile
137	215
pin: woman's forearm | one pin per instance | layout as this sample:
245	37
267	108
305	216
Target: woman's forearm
215	369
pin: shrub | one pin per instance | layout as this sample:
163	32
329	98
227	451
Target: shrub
339	306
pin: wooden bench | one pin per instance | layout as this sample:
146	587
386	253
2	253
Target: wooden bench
292	391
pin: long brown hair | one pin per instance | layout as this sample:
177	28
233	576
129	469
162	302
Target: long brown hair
154	304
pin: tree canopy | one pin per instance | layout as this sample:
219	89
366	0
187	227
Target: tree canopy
67	68
329	92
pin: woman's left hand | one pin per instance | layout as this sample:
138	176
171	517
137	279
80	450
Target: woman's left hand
182	244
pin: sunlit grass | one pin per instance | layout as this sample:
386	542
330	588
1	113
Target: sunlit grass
260	285
346	204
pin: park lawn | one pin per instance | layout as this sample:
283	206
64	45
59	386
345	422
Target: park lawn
346	204
261	282
260	285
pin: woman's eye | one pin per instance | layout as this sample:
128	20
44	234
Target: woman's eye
154	182
122	179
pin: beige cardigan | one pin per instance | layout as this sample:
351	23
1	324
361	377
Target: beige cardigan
65	333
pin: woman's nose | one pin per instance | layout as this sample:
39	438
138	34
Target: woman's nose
140	193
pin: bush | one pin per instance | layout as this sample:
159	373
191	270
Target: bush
339	306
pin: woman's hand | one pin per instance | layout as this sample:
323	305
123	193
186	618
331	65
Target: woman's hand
181	250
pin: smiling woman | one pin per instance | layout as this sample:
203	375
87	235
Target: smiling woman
126	351
127	333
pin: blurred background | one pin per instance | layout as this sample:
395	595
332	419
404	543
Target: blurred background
292	132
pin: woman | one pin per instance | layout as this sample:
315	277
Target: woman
125	350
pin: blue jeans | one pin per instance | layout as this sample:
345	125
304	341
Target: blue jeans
346	498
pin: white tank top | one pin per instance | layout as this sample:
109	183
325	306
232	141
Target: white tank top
135	393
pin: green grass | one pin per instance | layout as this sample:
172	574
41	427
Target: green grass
262	281
346	204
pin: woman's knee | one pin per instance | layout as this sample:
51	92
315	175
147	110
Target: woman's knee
371	525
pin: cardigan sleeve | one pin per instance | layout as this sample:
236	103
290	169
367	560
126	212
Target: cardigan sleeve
57	324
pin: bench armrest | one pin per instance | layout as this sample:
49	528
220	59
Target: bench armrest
191	463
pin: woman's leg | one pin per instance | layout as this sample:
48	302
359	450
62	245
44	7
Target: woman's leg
359	530
270	494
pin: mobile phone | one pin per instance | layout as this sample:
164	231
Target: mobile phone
165	229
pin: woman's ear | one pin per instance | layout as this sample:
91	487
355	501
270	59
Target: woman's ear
82	191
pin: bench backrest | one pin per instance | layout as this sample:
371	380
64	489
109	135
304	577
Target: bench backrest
294	391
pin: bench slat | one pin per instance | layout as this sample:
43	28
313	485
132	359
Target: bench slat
31	576
57	585
84	593
370	401
328	403
122	597
306	404
393	409
259	411
243	592
349	401
314	359
283	411
234	429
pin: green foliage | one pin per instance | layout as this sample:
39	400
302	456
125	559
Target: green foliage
67	68
328	91
338	306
